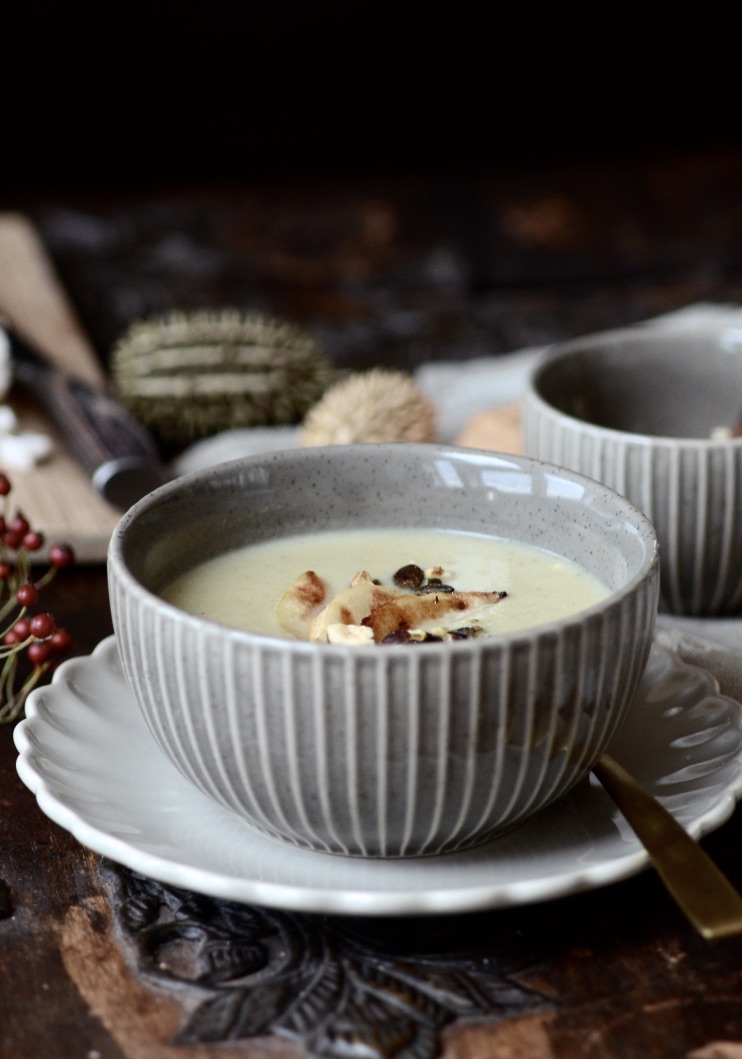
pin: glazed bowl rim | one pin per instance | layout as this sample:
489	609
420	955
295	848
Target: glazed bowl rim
657	335
476	645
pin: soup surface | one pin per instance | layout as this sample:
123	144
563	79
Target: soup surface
455	585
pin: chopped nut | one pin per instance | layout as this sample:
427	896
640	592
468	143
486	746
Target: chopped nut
363	577
357	635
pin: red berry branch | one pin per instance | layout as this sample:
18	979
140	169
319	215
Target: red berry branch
31	643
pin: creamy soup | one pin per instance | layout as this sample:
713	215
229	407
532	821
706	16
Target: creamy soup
341	586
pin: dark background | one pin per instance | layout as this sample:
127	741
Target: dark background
126	97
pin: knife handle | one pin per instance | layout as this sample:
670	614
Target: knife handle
109	443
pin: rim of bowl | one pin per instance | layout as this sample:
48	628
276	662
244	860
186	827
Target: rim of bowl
562	350
649	565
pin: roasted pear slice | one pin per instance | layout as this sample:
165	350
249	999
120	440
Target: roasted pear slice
300	603
418	611
352	605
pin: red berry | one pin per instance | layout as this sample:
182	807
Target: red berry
27	595
61	641
4	485
39	652
61	555
12	637
20	524
5	571
42	625
13	539
33	540
23	628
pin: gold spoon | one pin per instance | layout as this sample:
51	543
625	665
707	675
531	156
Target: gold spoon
704	894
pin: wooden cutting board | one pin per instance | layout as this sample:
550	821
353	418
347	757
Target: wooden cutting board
56	496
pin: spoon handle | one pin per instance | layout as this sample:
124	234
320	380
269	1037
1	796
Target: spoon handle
704	894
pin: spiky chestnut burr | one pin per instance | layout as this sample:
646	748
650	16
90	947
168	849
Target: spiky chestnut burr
190	375
373	406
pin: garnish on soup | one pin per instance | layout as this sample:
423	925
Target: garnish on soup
411	610
385	586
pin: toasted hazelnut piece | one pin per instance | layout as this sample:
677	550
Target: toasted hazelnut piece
435	571
363	577
357	635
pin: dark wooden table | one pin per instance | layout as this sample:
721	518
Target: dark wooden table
386	270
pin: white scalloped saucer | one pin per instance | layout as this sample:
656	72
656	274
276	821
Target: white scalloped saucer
87	755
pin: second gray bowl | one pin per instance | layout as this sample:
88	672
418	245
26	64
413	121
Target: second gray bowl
648	411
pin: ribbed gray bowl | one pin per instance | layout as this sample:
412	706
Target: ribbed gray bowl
640	409
383	751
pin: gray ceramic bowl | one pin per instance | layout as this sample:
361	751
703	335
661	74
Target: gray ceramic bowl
640	409
395	750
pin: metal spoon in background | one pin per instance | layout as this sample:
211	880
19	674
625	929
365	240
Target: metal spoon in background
703	893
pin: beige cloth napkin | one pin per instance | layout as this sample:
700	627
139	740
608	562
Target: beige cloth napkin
713	644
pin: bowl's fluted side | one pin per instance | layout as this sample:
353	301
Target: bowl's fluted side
690	490
383	750
388	751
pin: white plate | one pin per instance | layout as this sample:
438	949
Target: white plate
88	757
